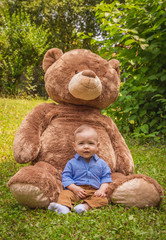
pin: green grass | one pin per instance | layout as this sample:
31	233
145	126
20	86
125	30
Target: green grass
113	222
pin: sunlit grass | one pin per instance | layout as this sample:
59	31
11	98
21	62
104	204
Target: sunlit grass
12	112
113	222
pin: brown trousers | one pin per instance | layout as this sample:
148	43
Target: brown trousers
68	198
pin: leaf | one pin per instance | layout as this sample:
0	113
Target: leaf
107	14
142	112
128	42
132	62
124	36
80	34
153	122
85	37
93	41
158	23
136	37
144	69
163	78
142	40
144	46
144	128
152	77
116	19
131	121
128	109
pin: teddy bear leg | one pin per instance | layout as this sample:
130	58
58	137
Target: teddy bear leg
135	190
36	186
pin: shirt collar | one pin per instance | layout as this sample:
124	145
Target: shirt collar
78	157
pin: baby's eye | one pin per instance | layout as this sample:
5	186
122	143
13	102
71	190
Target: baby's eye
80	143
76	72
91	143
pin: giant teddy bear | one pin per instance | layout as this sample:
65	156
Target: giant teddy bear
82	83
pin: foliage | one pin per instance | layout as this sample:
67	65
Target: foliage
136	33
62	18
133	31
113	222
22	45
29	28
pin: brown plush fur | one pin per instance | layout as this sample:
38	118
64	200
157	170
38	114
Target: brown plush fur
45	136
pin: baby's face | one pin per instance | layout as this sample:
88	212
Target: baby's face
86	143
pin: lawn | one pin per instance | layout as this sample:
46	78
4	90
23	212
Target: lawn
113	222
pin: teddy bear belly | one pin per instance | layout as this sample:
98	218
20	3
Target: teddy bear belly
57	149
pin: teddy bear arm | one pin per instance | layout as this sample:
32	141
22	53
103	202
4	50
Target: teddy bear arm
26	144
124	160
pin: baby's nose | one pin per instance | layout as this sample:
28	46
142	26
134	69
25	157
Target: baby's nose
86	145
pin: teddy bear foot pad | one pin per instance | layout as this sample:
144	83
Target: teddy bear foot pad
29	195
137	190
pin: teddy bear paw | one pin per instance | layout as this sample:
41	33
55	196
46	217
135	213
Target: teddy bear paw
29	195
137	190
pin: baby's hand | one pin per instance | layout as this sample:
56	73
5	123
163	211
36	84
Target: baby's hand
99	193
80	192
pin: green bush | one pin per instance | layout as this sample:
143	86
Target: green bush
136	33
22	46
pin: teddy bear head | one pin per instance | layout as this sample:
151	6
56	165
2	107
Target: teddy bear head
81	77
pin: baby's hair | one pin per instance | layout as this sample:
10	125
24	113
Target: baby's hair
82	128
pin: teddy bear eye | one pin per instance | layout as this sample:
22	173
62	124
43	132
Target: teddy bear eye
76	72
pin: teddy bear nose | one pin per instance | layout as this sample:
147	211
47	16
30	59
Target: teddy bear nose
89	73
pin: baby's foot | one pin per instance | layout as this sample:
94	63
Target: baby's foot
80	208
58	208
52	206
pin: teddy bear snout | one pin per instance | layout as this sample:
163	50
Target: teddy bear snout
85	85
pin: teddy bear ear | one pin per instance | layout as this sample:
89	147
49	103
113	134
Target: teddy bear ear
50	57
115	64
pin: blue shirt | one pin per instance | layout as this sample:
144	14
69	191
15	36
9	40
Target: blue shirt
80	172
